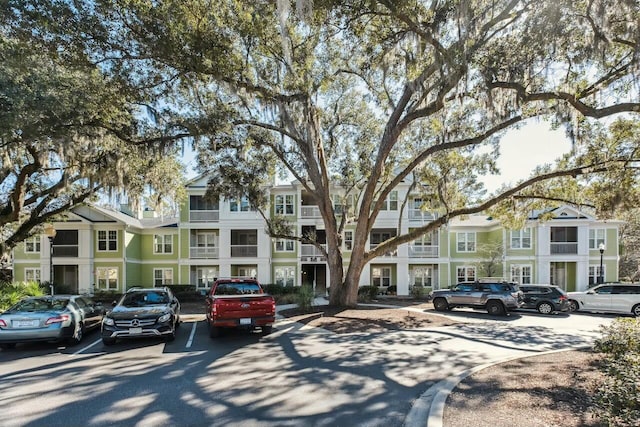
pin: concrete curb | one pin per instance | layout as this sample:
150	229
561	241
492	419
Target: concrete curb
430	405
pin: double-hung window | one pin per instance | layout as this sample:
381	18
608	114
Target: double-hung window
162	244
391	202
348	240
521	274
466	242
162	276
107	240
521	239
284	204
285	275
32	244
107	278
466	273
284	245
32	274
596	238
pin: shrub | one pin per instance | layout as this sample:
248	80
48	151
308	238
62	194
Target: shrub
419	291
367	293
618	397
304	297
393	289
11	293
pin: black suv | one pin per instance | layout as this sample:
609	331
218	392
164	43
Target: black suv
142	312
495	297
547	299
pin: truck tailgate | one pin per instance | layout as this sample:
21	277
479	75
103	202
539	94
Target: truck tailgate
242	306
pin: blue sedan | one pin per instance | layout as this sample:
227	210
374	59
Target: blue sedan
49	318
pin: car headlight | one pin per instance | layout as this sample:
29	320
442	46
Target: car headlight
108	321
164	318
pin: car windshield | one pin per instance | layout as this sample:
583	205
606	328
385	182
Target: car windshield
237	289
40	305
141	299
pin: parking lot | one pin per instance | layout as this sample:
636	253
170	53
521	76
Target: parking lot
296	376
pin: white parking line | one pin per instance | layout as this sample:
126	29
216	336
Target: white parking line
193	332
87	347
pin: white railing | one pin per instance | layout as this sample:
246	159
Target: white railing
423	251
310	212
204	252
204	216
421	216
389	253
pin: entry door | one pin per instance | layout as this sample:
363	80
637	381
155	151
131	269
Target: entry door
559	274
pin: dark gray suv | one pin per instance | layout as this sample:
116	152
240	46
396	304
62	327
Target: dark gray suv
495	297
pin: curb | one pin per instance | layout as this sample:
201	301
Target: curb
430	405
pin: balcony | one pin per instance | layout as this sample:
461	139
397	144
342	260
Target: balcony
564	248
204	216
204	252
244	251
311	253
423	251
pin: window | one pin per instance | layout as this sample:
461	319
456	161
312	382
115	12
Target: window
594	274
283	245
596	238
32	275
466	242
162	244
466	273
422	276
348	240
284	204
241	205
521	274
391	202
32	244
381	276
107	278
285	276
249	271
107	240
521	239
162	276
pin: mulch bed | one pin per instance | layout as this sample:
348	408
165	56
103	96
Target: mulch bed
342	320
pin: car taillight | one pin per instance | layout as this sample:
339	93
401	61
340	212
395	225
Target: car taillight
3	323
57	319
563	298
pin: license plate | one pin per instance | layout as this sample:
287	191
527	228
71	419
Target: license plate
135	330
25	323
245	321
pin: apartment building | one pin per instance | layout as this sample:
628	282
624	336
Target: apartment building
102	248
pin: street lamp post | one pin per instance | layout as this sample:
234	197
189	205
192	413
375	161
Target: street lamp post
601	247
50	232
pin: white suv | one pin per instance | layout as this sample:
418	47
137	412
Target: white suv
607	298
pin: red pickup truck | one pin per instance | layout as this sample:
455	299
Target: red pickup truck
239	303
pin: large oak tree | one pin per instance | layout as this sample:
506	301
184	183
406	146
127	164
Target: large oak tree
368	93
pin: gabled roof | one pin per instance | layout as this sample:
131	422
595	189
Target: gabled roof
98	214
562	212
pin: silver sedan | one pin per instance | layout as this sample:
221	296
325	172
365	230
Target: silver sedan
49	318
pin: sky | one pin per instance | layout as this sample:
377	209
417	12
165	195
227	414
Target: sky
521	151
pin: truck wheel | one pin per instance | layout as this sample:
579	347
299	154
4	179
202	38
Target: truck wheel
214	331
440	304
495	308
266	330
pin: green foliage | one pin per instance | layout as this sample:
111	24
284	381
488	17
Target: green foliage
11	293
419	292
304	297
368	293
618	397
275	289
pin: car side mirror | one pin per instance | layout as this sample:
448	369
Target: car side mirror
114	303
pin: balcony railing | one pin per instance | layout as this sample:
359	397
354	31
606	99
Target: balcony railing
558	248
65	250
310	212
311	253
204	252
423	251
389	253
421	216
204	216
243	251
